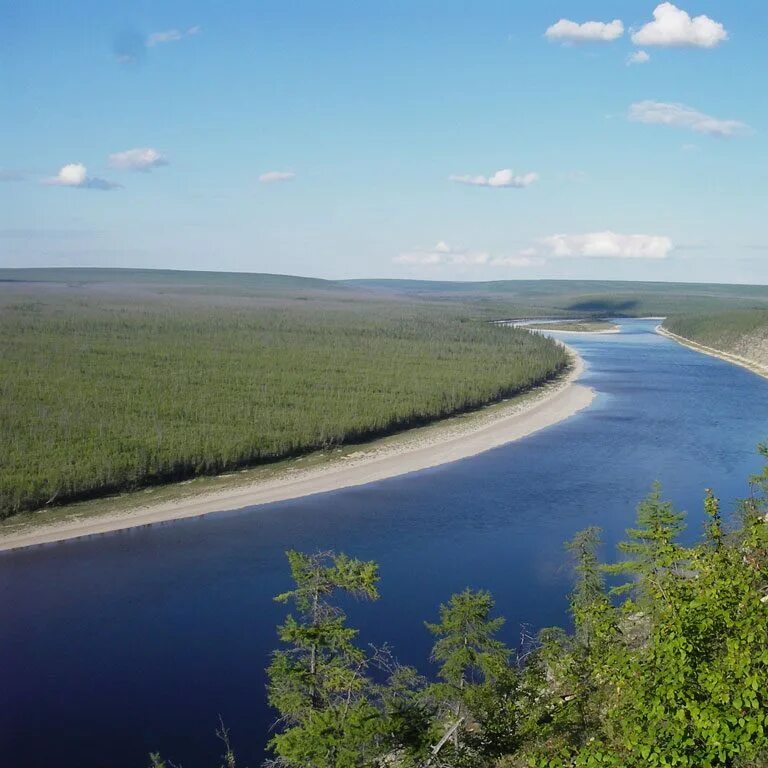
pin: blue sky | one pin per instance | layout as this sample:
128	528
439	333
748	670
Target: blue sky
338	139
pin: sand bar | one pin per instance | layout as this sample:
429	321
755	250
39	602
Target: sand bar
446	441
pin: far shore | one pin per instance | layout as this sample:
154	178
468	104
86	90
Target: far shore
556	326
601	332
446	441
744	362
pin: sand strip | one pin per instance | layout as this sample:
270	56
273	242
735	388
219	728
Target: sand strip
575	333
449	440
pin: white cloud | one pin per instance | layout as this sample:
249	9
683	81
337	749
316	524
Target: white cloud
591	31
591	245
72	175
272	176
502	178
170	36
673	26
139	159
442	253
679	115
638	57
76	175
608	245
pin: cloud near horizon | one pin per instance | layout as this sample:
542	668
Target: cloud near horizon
170	36
270	177
442	254
590	245
672	26
76	175
682	116
501	179
567	31
608	245
142	159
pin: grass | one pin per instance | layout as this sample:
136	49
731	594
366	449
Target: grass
106	387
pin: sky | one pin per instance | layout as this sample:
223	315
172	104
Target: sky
408	139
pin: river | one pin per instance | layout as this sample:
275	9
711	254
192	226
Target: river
135	641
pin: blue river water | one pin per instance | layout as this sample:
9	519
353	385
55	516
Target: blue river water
136	641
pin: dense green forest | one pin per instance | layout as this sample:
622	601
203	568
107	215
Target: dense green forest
665	664
737	332
107	390
115	379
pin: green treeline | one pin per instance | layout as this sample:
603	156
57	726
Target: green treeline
667	666
102	393
738	332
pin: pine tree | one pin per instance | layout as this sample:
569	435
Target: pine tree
319	685
654	554
472	661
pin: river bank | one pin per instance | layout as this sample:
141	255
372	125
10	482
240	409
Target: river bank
750	365
575	326
446	441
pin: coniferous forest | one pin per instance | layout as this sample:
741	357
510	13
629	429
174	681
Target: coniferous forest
742	332
101	394
665	662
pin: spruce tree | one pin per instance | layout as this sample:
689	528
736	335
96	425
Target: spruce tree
653	552
473	662
319	684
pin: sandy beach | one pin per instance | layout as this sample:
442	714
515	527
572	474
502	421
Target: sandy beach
578	333
538	327
751	365
449	440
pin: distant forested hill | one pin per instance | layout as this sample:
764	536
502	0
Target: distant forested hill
584	297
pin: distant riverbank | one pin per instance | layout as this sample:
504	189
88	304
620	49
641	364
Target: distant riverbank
744	362
446	441
570	326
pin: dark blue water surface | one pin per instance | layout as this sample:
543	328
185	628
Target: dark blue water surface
134	641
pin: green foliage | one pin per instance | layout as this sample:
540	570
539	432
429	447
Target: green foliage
683	680
477	696
736	332
112	380
466	646
102	392
319	684
651	547
411	714
671	672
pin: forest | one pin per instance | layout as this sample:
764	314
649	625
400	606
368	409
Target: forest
112	380
665	662
107	391
740	332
